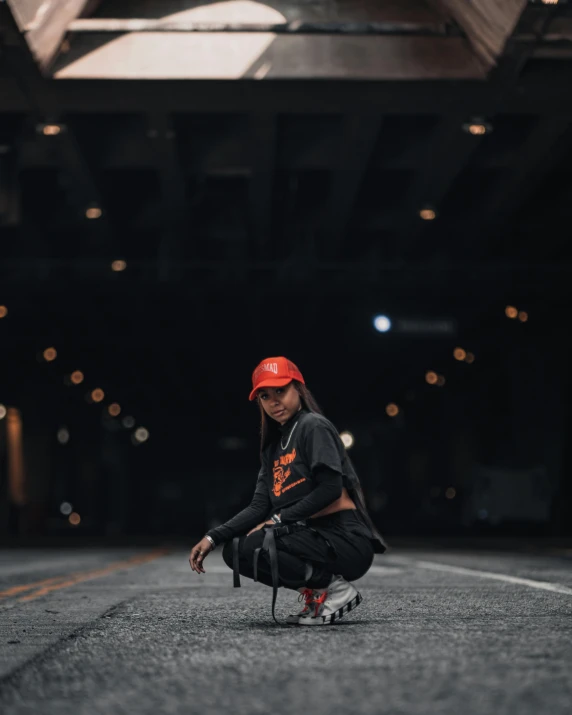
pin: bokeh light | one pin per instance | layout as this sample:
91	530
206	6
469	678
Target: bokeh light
431	377
141	434
51	130
347	438
382	323
477	129
77	377
511	312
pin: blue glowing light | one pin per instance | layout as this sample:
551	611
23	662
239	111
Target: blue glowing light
382	323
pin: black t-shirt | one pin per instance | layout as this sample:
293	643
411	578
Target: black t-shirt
300	475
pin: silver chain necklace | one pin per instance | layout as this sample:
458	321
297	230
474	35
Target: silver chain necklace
284	446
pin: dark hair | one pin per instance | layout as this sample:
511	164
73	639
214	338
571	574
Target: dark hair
269	427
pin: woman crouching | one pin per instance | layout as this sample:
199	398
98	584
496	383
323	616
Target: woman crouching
307	527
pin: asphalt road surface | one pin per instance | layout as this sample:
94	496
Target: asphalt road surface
111	631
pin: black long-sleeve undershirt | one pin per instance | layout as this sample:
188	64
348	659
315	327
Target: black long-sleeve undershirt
328	488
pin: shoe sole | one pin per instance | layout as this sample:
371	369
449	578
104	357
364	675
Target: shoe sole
293	620
333	617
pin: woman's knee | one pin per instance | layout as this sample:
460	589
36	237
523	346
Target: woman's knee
246	548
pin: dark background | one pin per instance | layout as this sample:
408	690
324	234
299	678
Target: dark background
279	218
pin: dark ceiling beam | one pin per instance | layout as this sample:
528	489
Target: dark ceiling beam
358	137
300	97
263	136
31	240
44	24
9	193
45	108
346	270
450	148
295	27
172	180
540	154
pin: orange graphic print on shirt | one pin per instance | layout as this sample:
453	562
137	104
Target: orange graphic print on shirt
281	474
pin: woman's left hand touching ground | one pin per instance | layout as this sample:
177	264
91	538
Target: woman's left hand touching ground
199	554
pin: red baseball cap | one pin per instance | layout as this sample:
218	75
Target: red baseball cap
274	372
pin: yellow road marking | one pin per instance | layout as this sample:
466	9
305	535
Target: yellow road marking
58	582
29	586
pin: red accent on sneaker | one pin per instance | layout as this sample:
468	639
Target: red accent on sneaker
318	601
307	594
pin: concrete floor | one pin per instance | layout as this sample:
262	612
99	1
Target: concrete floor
119	631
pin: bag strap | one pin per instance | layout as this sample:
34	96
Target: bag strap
235	571
269	545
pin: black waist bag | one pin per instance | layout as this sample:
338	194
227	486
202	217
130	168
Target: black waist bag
269	545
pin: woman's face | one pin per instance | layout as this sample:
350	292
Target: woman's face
280	403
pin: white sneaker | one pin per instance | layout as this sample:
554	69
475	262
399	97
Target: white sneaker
307	595
331	603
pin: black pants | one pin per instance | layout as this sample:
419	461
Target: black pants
335	544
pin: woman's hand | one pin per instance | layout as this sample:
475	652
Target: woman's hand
198	555
264	523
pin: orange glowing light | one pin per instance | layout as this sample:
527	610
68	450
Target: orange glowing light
74	518
431	377
15	466
114	409
51	130
392	409
50	354
427	214
93	212
523	316
459	354
477	129
77	377
118	266
511	312
97	395
3	311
